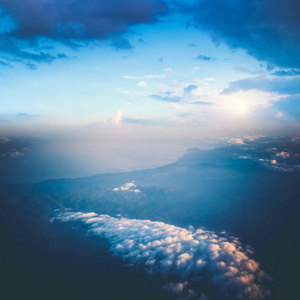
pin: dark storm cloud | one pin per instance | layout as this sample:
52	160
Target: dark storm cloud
268	30
14	47
71	22
278	85
187	258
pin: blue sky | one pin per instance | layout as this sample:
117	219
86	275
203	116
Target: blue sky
138	82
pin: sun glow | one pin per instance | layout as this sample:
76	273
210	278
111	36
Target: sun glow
241	109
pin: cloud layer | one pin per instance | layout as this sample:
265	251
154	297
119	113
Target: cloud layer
189	261
268	30
70	22
278	85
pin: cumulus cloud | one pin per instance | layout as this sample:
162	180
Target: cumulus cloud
129	186
187	260
116	119
238	141
283	159
15	154
268	30
4	139
283	154
28	23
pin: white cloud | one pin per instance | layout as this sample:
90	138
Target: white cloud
129	186
130	77
279	160
238	141
4	139
175	288
283	154
150	76
252	138
116	119
16	154
192	256
142	83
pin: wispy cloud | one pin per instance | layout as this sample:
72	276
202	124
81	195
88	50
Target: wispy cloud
287	72
262	83
24	116
204	57
167	98
203	103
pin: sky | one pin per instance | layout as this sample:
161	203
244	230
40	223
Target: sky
120	85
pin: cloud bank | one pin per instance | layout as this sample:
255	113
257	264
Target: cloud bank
189	261
262	83
268	30
27	23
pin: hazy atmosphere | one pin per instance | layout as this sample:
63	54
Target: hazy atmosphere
121	85
172	119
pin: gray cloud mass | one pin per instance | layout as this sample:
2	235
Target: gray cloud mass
74	23
268	30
